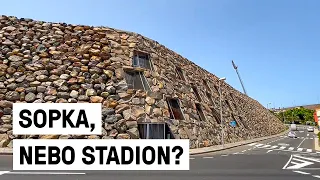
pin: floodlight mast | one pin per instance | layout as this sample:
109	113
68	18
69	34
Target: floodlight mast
236	68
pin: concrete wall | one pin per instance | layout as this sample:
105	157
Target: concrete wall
54	62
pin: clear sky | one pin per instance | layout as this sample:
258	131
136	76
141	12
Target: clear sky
275	43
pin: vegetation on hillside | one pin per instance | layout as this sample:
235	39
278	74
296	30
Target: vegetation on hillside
299	115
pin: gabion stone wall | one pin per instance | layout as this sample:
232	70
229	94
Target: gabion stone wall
136	79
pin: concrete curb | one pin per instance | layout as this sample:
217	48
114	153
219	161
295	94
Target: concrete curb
231	145
6	151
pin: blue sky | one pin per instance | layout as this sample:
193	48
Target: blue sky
275	43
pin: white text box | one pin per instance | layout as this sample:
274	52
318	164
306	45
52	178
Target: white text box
104	154
76	113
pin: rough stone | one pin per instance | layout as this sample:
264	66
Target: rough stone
123	136
131	124
111	89
74	94
96	99
138	111
30	97
83	98
104	94
157	112
7	42
107	111
12	96
41	89
91	92
134	133
150	101
64	95
122	107
110	119
6	104
127	115
136	101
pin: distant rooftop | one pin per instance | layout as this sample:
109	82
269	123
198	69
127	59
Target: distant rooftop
311	106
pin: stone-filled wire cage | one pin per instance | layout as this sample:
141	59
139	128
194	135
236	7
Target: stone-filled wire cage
146	90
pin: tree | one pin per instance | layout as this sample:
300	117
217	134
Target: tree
299	115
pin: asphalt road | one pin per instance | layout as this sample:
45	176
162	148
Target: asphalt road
280	158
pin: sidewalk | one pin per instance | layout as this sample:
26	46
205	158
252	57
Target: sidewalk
8	151
316	140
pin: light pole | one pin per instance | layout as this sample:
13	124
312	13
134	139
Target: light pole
268	113
284	119
268	105
222	125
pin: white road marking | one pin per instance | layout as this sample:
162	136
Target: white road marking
316	176
298	165
300	149
301	143
309	150
308	158
291	148
307	134
4	172
266	146
244	151
285	166
310	138
274	147
282	144
269	151
192	158
236	153
282	147
301	172
207	157
259	145
252	144
47	173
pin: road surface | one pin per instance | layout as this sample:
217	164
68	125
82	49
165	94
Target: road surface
278	158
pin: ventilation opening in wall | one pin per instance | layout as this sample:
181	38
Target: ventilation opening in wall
228	104
180	74
155	131
137	80
175	109
233	101
216	88
141	59
200	112
216	115
210	98
196	93
206	85
244	123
